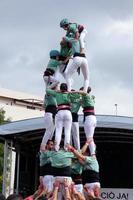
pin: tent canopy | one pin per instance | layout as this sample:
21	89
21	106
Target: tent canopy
34	124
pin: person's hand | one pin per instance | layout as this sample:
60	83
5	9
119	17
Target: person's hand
73	188
70	148
56	184
89	191
42	148
66	183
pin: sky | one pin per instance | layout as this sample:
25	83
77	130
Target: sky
29	29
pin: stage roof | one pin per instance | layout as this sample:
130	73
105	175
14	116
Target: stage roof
34	124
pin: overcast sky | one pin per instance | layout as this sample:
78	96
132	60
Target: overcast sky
29	29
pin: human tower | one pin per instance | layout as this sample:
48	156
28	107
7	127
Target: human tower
68	171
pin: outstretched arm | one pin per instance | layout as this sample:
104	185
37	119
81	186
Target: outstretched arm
83	149
76	194
79	92
76	153
55	191
67	191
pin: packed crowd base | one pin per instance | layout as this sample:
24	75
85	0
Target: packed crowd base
68	174
68	171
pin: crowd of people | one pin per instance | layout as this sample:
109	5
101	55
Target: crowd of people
68	171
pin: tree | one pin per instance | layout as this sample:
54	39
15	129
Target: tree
3	120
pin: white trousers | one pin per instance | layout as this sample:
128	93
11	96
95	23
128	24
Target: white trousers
77	62
92	185
49	126
75	135
48	181
82	38
79	188
61	179
89	128
93	189
62	119
52	81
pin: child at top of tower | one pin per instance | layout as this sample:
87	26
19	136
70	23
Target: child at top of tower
74	31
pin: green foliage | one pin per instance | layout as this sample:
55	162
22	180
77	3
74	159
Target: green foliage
3	120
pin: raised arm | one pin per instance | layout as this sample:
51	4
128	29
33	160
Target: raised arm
67	191
83	149
76	153
55	191
76	194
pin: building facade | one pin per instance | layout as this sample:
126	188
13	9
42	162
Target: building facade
20	105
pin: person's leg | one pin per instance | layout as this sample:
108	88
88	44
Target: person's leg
58	129
50	127
46	80
67	126
85	71
89	127
75	135
54	80
82	40
70	70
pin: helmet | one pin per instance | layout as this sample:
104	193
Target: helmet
54	53
64	22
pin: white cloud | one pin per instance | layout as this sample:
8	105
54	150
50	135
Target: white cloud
119	28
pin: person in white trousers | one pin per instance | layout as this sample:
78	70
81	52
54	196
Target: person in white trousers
46	172
50	105
89	119
75	31
50	76
63	117
75	36
79	61
90	173
75	106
